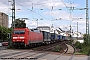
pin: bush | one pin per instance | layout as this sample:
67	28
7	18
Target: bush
85	47
78	45
88	52
85	50
70	42
57	49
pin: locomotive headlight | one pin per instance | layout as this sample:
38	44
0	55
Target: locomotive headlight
22	40
14	40
17	40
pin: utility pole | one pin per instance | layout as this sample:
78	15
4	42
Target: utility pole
77	30
37	22
13	14
70	32
87	21
87	18
13	19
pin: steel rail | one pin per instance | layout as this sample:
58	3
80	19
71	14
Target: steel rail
62	53
73	53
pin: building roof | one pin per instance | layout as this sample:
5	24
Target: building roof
3	13
43	27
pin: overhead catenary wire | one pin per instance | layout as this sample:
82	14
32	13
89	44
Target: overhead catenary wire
32	11
68	8
40	14
64	4
43	4
45	7
70	11
9	9
74	1
36	12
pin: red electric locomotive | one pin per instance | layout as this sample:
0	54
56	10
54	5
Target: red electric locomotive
24	37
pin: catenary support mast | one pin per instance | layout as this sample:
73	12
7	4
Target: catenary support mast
13	14
87	21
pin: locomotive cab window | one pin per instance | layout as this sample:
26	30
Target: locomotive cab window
19	31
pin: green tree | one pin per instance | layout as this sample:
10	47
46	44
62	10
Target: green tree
78	45
19	23
4	32
0	32
86	42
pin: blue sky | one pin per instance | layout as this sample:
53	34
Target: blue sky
50	13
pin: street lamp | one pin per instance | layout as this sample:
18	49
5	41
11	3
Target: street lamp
77	30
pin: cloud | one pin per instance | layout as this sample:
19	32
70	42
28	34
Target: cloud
58	14
30	23
46	5
81	22
3	8
82	29
10	22
34	23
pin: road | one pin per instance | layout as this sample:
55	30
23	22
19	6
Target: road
3	47
9	54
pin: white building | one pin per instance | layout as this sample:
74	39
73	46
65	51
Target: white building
53	30
78	36
44	28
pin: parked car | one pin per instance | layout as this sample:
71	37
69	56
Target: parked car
0	44
4	43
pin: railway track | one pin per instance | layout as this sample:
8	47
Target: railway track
41	51
34	54
69	50
48	47
73	54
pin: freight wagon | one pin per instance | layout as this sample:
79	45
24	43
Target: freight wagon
54	36
60	37
46	36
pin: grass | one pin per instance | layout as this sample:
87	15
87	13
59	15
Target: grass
57	48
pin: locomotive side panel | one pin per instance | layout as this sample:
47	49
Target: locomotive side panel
35	37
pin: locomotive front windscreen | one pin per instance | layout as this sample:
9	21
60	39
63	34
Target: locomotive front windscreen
19	31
